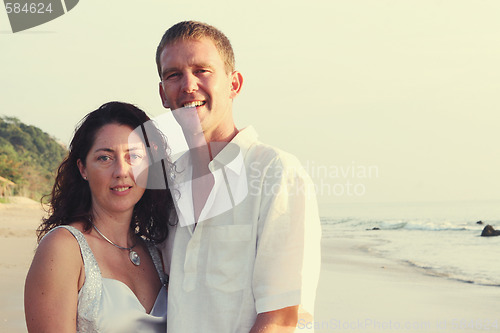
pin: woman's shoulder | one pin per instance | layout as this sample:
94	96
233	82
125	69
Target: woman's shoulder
57	260
62	240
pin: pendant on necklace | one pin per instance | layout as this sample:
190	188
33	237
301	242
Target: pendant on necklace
134	258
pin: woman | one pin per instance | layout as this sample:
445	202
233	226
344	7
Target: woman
96	268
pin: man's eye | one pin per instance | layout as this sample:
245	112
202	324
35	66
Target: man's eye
171	76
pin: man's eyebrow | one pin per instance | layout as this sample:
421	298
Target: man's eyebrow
175	69
203	65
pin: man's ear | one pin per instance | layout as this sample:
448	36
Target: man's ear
236	83
81	167
163	98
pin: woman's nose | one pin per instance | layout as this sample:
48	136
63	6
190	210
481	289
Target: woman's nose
122	168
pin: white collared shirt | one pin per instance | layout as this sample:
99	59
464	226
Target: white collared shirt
257	245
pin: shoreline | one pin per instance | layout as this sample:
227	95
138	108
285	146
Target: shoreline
362	292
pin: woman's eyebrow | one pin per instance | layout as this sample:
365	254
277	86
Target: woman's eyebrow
109	150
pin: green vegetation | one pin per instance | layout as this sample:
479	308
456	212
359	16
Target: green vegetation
29	157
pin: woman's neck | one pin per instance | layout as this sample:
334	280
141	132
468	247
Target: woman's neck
115	227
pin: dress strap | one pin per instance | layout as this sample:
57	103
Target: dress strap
155	255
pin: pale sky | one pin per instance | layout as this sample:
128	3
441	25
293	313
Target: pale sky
405	93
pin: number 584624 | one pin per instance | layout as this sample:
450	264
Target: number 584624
31	8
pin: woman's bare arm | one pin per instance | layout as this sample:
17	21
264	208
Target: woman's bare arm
52	284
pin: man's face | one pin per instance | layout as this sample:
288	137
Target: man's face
193	75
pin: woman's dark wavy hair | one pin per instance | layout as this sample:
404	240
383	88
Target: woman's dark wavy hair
70	199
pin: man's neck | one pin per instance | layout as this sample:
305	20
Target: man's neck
217	140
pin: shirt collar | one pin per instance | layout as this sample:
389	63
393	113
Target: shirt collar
232	156
245	138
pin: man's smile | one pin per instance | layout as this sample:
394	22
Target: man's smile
194	104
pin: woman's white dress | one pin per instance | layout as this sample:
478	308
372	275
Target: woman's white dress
108	305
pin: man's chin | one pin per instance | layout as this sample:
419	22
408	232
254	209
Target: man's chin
188	119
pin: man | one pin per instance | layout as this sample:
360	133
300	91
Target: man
245	254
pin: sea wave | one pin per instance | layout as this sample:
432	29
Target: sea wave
397	224
438	239
453	273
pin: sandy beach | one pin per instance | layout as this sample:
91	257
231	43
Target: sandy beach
361	292
358	291
18	222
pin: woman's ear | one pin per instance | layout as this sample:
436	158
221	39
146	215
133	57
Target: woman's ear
81	167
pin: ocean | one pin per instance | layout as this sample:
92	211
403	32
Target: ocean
439	238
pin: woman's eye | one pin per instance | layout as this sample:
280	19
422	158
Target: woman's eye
104	158
136	158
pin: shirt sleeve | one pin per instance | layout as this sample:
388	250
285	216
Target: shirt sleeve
287	264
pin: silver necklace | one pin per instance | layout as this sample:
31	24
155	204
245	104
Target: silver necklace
133	256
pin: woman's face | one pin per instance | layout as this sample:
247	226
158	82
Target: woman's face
116	168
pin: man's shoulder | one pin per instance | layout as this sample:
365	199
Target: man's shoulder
263	150
268	156
265	154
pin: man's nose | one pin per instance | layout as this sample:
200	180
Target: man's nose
190	83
